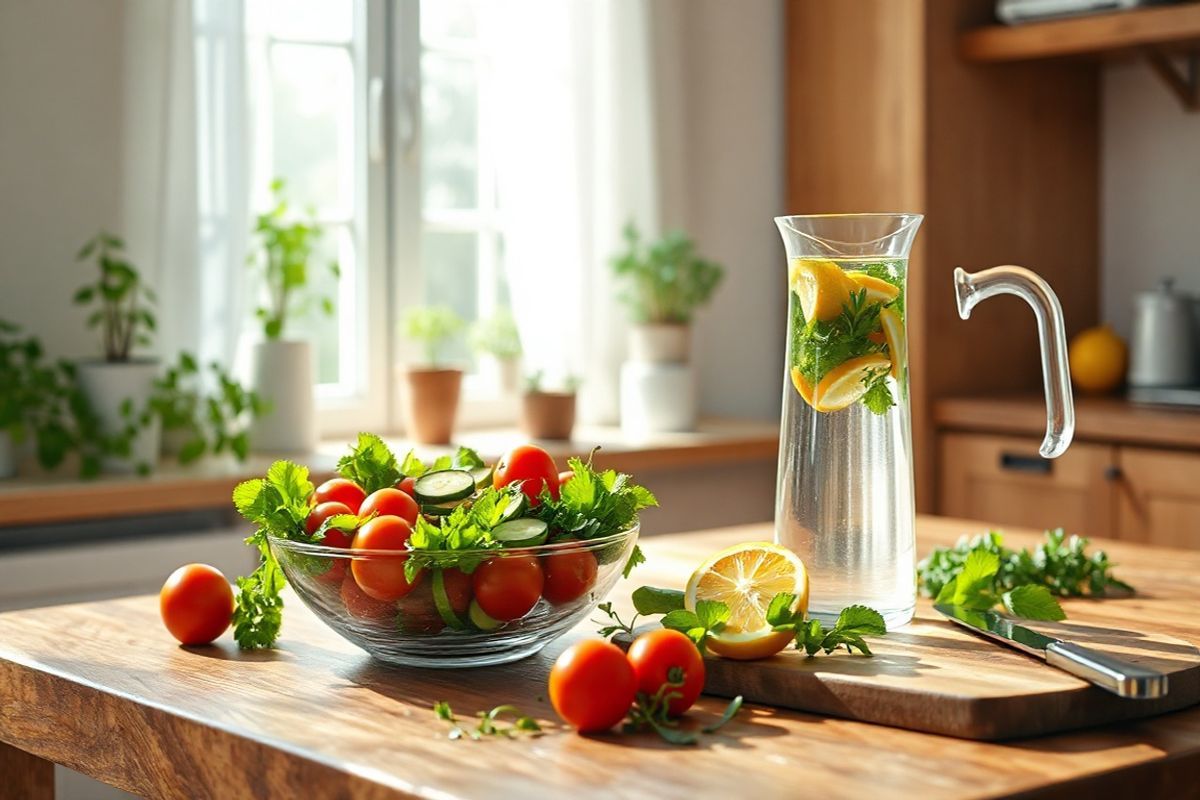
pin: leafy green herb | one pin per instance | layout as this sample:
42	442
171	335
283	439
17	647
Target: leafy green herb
853	623
278	505
652	711
467	528
878	397
594	504
709	617
731	710
371	464
615	625
664	281
431	327
463	458
653	600
490	723
1061	564
636	559
974	588
124	303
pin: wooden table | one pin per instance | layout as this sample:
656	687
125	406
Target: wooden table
102	689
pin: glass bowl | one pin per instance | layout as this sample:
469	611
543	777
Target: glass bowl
434	624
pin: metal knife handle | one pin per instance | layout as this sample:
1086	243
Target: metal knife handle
1122	678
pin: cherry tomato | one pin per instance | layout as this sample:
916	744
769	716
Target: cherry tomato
592	685
196	604
532	467
382	577
458	589
407	485
417	612
655	654
508	588
340	490
335	567
362	605
391	502
569	576
565	476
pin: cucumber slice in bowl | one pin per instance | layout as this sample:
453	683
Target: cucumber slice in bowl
441	601
444	486
525	532
480	619
516	507
482	476
440	509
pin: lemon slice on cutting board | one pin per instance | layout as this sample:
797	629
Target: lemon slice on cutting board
846	383
878	290
821	286
893	335
746	577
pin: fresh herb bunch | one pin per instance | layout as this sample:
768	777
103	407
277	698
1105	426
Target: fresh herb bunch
215	422
287	248
666	281
1061	564
467	528
974	588
490	723
373	466
124	315
432	327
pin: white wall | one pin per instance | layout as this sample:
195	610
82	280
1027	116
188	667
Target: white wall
730	187
1151	190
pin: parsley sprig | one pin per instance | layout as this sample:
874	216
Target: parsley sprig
490	723
974	588
373	466
467	528
1060	564
653	712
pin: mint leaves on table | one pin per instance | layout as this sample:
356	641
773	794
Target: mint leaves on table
278	504
490	723
1024	581
974	588
853	623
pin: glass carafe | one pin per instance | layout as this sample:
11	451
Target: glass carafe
844	494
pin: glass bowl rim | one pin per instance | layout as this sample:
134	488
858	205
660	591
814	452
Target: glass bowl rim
569	546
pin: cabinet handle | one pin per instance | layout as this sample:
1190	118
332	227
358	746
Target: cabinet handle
1112	473
1016	462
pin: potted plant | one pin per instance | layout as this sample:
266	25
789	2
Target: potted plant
663	284
433	386
548	414
196	423
283	371
497	337
118	388
18	356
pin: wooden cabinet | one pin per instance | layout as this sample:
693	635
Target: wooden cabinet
1126	492
1158	497
1002	479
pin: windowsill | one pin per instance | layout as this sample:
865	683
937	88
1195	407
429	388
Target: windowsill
54	499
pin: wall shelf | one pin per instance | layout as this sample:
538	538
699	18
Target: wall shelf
1155	34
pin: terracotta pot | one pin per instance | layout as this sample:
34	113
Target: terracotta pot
432	404
548	415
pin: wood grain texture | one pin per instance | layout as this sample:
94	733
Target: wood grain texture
42	500
101	688
989	477
1097	419
1102	35
25	776
1158	497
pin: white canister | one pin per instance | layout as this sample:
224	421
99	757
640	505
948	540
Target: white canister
111	386
1163	351
283	376
660	342
657	398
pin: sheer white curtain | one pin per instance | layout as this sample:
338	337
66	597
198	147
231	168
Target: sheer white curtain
573	107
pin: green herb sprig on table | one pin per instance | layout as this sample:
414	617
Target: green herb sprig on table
974	588
1060	566
490	723
652	711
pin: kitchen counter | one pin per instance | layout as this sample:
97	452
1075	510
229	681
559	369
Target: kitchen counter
101	688
208	484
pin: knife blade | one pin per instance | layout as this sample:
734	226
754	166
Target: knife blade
1122	678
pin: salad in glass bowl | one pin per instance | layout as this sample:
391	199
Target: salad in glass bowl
451	564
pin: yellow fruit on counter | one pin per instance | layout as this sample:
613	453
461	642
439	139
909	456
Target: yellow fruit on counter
746	577
1098	357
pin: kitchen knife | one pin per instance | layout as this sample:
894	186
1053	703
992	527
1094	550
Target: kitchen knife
1122	678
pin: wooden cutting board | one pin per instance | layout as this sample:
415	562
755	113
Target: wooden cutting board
934	676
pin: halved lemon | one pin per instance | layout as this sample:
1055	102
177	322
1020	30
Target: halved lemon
846	383
878	290
821	286
802	385
746	577
893	335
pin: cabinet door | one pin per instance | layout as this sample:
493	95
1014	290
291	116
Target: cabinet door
1003	480
1158	500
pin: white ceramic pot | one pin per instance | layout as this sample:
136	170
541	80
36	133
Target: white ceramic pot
284	376
660	343
8	455
108	385
657	398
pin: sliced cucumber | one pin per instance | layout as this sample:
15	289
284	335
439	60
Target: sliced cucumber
444	486
515	508
440	509
524	532
480	619
482	476
442	601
